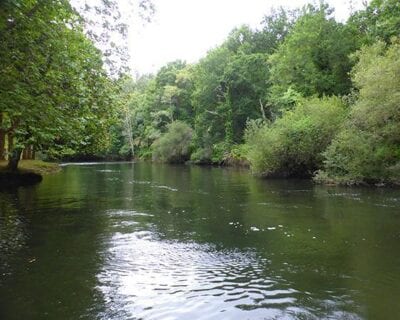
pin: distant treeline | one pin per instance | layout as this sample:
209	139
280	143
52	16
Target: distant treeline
304	96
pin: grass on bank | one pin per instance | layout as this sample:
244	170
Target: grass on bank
36	166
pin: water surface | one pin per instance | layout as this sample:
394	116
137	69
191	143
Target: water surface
142	241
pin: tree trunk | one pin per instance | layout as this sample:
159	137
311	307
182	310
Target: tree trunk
13	159
2	144
13	154
10	138
2	139
25	155
262	110
29	152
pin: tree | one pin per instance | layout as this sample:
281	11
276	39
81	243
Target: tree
380	20
166	104
275	28
209	102
313	59
53	87
246	77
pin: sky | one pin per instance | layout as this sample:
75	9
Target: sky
187	29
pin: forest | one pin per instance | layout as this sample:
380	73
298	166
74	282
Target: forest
302	96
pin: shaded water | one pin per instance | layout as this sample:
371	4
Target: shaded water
142	241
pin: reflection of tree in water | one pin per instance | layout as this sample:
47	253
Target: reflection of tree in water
326	242
12	229
49	253
192	203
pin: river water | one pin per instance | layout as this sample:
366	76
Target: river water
142	241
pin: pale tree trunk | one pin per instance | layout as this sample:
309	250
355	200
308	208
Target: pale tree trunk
30	153
266	117
262	111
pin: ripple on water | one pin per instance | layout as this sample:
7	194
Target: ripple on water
127	220
165	187
153	279
127	213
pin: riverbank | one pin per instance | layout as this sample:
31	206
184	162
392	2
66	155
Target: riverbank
29	172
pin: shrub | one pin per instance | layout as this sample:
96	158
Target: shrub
293	144
368	148
174	145
237	156
214	154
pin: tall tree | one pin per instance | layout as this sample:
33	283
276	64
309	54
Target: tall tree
52	84
275	27
314	58
380	19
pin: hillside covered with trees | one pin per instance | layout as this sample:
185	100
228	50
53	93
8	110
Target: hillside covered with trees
302	96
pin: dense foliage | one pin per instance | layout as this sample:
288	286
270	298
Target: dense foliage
54	93
368	147
314	58
293	144
174	145
301	94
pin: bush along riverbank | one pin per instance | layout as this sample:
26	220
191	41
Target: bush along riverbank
29	172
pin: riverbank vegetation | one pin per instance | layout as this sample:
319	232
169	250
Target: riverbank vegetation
29	172
35	166
55	94
302	96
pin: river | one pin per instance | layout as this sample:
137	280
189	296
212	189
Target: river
143	241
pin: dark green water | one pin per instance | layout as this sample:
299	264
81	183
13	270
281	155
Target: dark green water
141	241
